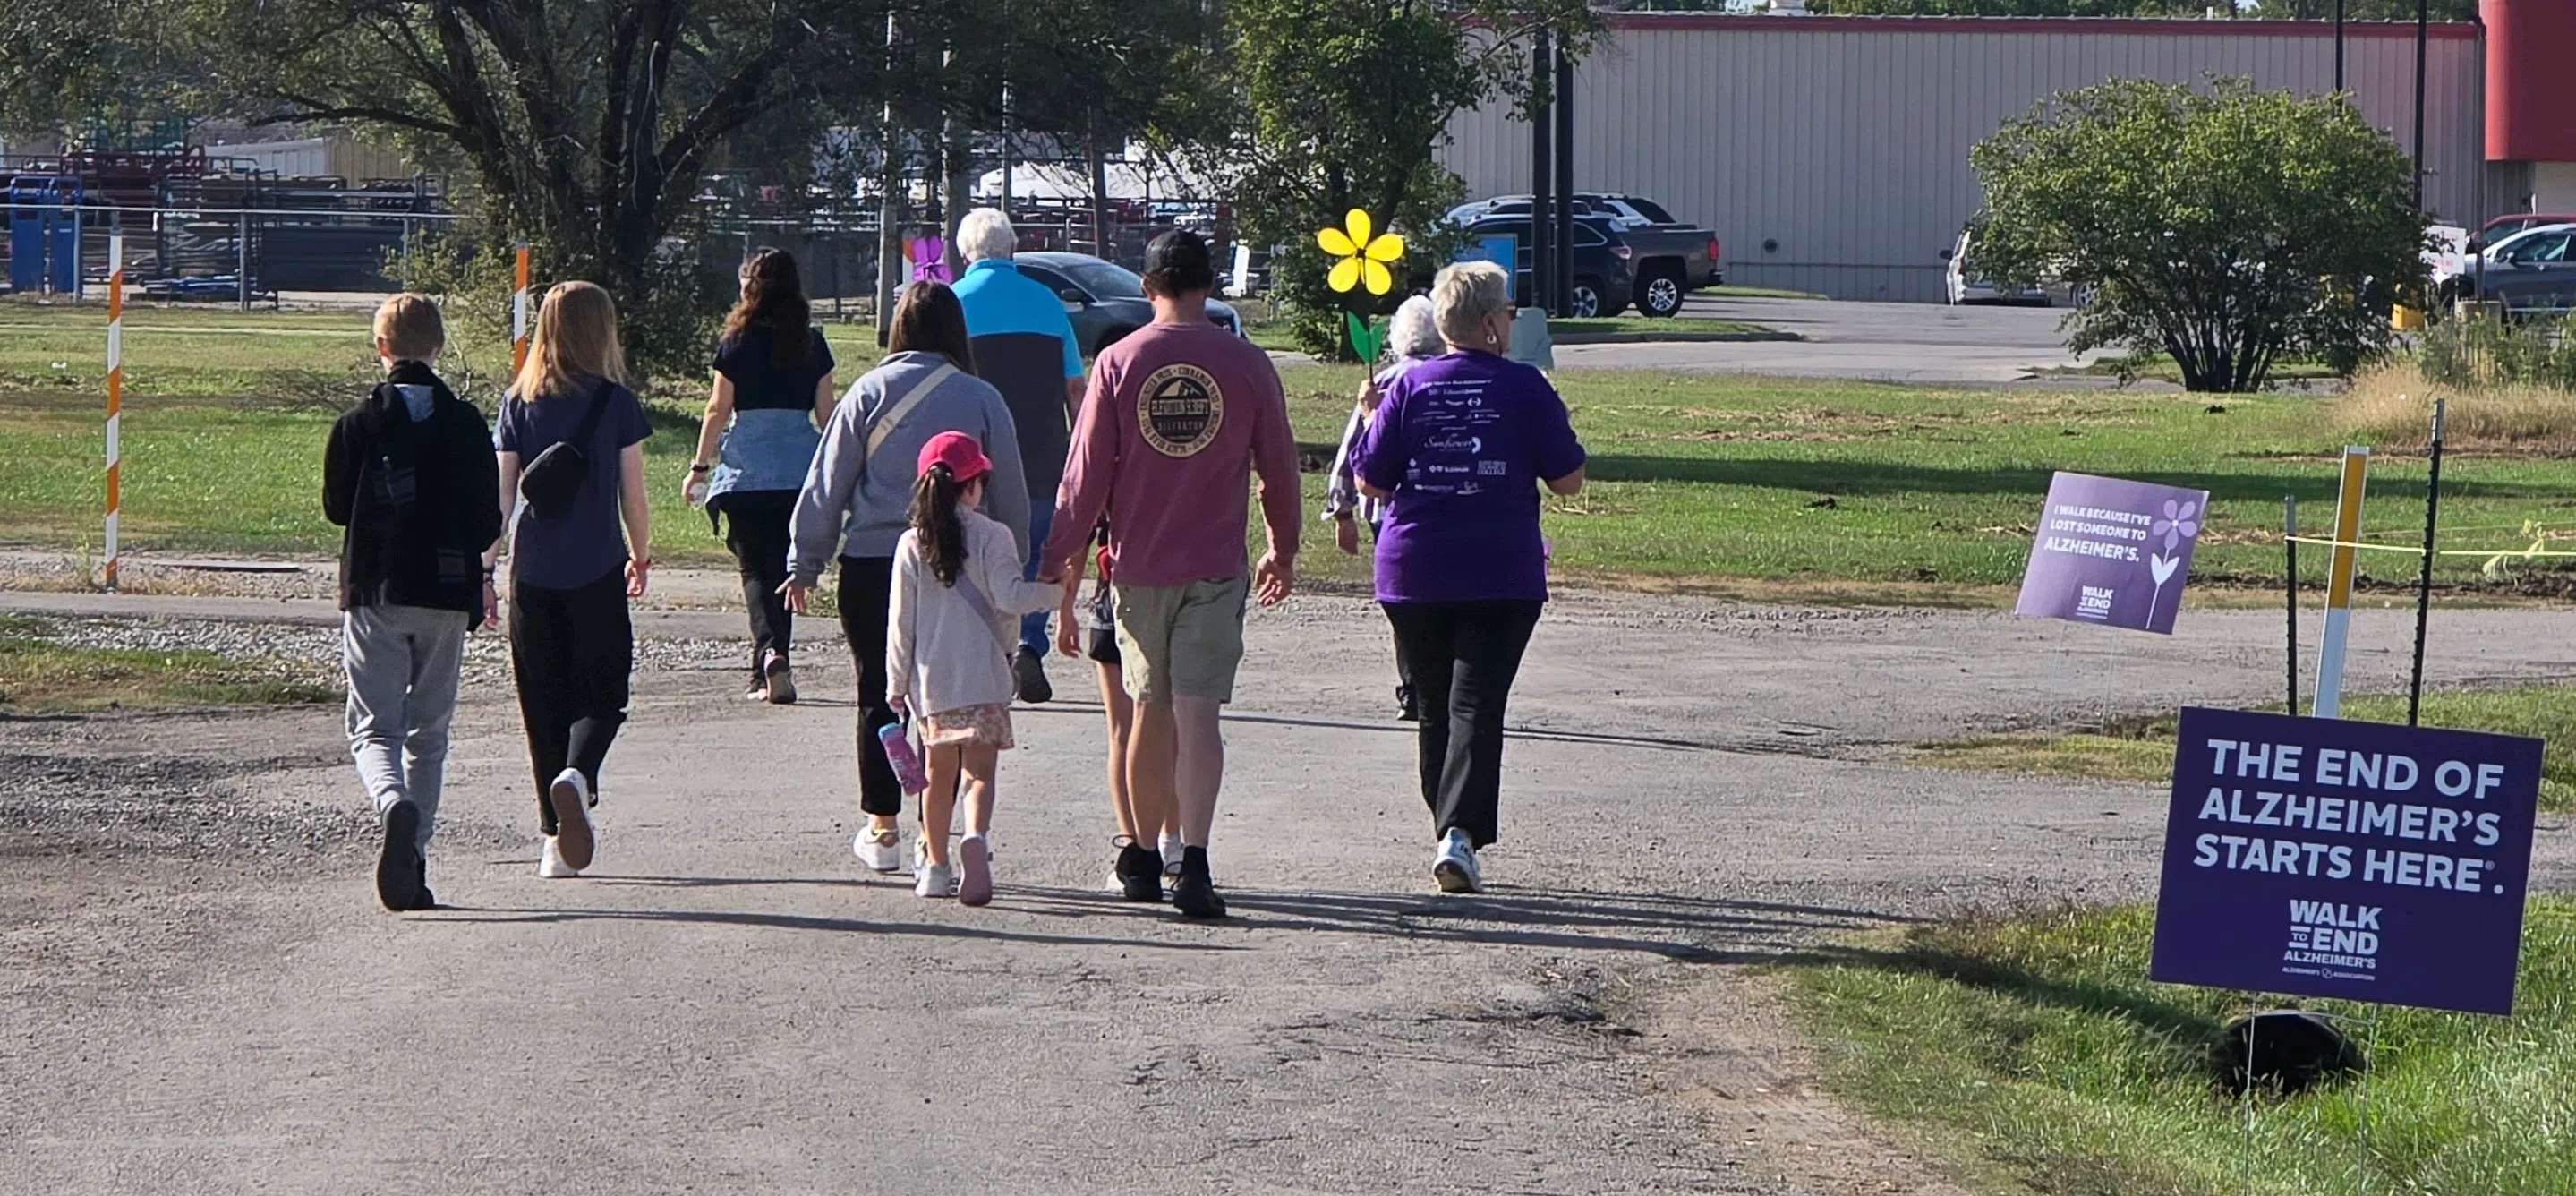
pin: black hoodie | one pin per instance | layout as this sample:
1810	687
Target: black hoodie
421	500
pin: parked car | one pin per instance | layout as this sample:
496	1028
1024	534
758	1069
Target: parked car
2532	272
1668	259
1604	280
1106	300
1963	285
2496	230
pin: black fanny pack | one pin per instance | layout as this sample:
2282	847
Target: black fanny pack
552	481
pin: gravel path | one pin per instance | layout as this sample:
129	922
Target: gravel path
208	1001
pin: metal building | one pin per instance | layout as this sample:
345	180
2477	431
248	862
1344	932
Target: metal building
1831	153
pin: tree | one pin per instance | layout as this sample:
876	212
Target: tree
584	128
2227	227
1343	103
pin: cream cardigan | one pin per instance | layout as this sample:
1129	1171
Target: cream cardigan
941	655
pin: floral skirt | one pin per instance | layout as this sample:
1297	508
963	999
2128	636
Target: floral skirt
987	726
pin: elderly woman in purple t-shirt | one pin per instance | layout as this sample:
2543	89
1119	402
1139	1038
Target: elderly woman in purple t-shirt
1458	449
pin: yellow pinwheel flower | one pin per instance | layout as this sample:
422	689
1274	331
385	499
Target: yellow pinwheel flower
1361	257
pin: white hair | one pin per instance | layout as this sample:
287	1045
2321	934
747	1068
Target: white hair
986	233
1414	331
1462	295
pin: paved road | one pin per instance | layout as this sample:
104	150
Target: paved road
1889	342
728	1006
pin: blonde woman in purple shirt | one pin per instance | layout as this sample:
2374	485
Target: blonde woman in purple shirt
1458	449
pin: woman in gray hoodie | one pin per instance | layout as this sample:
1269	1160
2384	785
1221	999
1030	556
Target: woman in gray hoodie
857	500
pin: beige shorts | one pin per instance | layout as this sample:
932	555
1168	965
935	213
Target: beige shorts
1180	641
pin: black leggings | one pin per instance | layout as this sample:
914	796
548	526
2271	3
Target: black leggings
572	651
867	584
756	531
1461	657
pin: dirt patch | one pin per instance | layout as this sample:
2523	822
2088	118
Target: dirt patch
1723	1047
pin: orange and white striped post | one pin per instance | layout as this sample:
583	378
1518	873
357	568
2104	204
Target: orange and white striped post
519	317
115	390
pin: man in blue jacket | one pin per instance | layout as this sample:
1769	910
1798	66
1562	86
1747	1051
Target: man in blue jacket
1024	345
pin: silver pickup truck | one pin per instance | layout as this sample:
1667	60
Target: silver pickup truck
1670	258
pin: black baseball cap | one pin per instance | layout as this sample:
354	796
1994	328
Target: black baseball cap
1177	263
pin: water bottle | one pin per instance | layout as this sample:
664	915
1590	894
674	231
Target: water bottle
897	738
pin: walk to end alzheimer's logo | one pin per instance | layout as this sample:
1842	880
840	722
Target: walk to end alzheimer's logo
2112	551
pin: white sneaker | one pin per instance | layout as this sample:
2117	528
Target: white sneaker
935	880
880	849
552	866
1455	869
1171	845
571	797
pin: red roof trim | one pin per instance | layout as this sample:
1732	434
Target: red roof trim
2131	26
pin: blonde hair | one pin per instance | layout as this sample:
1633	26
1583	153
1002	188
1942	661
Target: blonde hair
575	338
410	328
1462	296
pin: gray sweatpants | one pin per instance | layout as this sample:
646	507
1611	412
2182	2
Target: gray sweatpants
403	663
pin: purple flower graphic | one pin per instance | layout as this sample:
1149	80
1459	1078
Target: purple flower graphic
2181	522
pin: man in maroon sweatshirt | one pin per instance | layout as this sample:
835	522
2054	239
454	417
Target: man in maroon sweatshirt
1180	415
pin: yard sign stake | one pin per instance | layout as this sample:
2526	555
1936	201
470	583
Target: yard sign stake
519	317
2339	569
115	389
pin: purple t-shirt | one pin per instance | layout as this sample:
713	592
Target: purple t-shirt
1463	441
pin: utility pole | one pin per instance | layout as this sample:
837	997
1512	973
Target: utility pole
1542	178
2423	18
2338	46
889	202
1561	292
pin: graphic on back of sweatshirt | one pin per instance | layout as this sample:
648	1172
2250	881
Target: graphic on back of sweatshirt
1180	407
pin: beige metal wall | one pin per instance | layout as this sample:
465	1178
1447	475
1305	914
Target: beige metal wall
1831	154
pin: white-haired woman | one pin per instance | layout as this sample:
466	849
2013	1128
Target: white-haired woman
1412	337
1458	449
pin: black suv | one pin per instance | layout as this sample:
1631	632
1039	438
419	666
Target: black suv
1603	278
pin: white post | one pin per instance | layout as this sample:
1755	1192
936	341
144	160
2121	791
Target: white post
115	392
2339	570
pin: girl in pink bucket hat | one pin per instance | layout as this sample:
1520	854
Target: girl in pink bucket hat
951	622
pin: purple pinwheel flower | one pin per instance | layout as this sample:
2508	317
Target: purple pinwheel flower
2181	522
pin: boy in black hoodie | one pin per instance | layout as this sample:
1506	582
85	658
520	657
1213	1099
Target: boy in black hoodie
411	475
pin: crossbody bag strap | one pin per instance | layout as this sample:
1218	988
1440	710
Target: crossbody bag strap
590	419
981	605
893	417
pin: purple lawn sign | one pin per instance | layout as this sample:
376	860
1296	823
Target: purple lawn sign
2333	858
2108	549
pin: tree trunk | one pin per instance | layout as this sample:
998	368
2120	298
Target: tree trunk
959	191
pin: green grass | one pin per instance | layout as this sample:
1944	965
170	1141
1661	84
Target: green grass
1777	486
2032	1054
2143	749
37	676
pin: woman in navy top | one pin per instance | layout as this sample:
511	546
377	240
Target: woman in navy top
572	644
773	395
1459	448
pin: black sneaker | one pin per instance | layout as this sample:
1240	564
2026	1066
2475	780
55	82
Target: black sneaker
1406	709
1140	873
427	900
1194	894
1031	674
398	868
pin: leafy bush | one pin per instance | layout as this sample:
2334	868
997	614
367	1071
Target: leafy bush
2479	352
2228	228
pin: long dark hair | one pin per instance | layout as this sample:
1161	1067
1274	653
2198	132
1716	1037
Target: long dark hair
934	519
773	297
930	320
